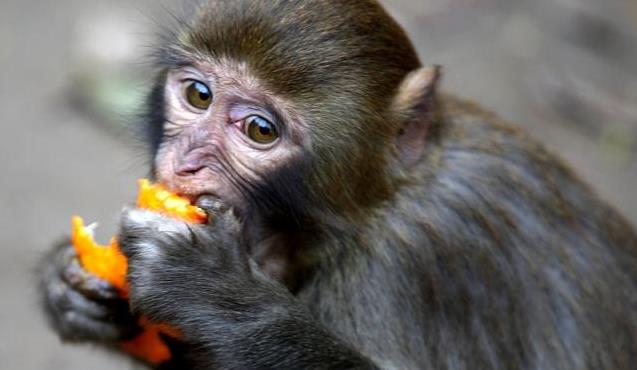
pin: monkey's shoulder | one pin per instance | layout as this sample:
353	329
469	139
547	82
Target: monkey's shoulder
488	165
470	128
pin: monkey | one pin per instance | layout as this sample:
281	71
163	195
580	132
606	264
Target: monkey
360	218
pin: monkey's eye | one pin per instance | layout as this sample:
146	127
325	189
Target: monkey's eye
198	95
260	130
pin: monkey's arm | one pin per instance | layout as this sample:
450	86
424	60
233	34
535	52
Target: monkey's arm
199	279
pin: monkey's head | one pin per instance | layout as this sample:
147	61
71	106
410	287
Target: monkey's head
288	106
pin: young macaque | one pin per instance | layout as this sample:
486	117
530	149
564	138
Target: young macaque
360	218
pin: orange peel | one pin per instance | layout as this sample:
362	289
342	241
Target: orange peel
108	263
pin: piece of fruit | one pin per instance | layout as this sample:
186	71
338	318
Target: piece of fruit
157	199
104	261
108	263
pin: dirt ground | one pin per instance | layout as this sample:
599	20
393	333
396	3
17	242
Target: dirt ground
563	69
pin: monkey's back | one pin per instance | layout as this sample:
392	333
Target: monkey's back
497	255
535	244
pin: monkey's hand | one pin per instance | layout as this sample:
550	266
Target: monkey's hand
199	280
79	306
173	264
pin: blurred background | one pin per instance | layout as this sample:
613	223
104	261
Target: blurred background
72	73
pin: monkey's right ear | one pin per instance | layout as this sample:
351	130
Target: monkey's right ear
414	106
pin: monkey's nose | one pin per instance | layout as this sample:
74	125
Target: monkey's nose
188	169
190	164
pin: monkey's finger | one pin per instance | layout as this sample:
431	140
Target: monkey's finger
139	225
64	298
74	326
86	283
212	205
75	317
70	271
219	213
63	253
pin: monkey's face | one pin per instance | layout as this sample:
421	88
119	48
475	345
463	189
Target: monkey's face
285	108
223	132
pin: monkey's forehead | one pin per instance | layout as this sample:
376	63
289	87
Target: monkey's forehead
308	46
